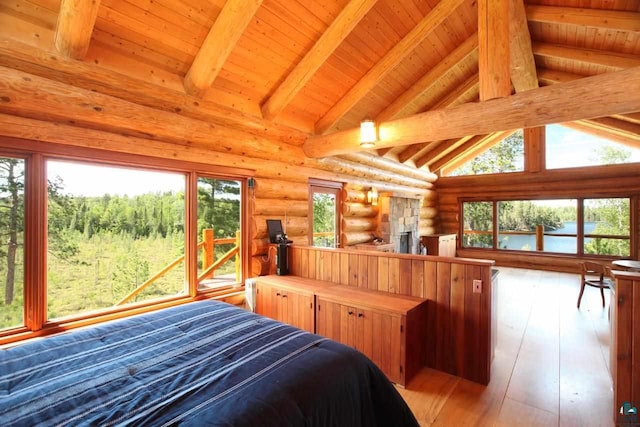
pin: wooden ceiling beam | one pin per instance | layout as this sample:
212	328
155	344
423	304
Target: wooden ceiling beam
630	117
468	151
339	29
617	127
222	38
493	48
596	96
592	128
613	60
522	63
446	150
466	92
615	20
399	106
438	149
390	165
387	63
76	20
89	76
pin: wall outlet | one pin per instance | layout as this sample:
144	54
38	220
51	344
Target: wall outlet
477	286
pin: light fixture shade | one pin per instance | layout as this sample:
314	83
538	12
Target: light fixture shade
368	133
372	196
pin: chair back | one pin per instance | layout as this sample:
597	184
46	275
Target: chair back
590	268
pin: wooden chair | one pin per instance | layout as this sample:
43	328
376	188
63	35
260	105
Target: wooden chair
593	274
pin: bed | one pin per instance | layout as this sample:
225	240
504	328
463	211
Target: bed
203	363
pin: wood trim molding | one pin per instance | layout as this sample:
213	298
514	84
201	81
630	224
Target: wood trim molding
611	60
76	20
220	41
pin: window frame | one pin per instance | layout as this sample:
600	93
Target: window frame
35	155
580	234
327	187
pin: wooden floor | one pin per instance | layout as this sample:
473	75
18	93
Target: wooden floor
551	366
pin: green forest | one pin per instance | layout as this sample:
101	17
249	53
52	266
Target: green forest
102	248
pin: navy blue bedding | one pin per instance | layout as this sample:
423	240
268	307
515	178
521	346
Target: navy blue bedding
204	363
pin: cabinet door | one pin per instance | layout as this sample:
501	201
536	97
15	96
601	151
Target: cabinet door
328	319
266	301
364	332
386	348
348	325
299	311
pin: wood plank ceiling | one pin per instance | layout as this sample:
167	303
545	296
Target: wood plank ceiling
321	66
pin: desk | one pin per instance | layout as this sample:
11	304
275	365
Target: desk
627	263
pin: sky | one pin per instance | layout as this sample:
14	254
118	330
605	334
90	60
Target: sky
573	148
90	180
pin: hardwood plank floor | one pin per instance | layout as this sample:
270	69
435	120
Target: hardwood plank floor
551	366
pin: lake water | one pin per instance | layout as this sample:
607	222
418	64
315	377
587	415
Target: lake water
558	244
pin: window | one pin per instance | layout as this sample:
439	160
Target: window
219	254
324	200
478	225
551	226
12	242
90	238
110	232
505	156
519	221
607	226
566	147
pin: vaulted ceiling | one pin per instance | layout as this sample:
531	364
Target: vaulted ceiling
321	66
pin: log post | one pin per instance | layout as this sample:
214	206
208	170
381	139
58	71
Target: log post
540	238
237	257
208	250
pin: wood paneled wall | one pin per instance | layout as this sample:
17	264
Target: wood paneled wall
625	345
606	181
458	334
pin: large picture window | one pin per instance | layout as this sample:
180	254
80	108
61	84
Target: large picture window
110	232
550	226
95	236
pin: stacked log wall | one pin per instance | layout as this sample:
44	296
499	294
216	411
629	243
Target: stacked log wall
44	108
592	182
359	218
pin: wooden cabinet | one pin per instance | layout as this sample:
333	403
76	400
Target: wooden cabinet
288	299
440	244
385	327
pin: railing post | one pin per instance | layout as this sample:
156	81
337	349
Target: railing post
238	272
207	250
539	237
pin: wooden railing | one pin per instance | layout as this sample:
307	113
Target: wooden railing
210	265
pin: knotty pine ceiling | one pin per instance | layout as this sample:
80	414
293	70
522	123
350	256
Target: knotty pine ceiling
158	40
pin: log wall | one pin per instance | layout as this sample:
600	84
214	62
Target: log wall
606	181
458	334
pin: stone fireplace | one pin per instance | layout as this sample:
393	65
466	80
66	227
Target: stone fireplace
398	222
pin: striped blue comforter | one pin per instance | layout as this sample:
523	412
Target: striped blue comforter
204	363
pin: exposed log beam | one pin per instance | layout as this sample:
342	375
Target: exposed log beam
276	168
399	107
523	65
86	75
348	167
551	77
493	48
467	152
390	165
466	92
223	36
613	60
76	20
619	127
592	128
439	149
339	29
388	62
596	96
596	18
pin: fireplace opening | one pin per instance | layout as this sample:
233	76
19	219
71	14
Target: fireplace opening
405	242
